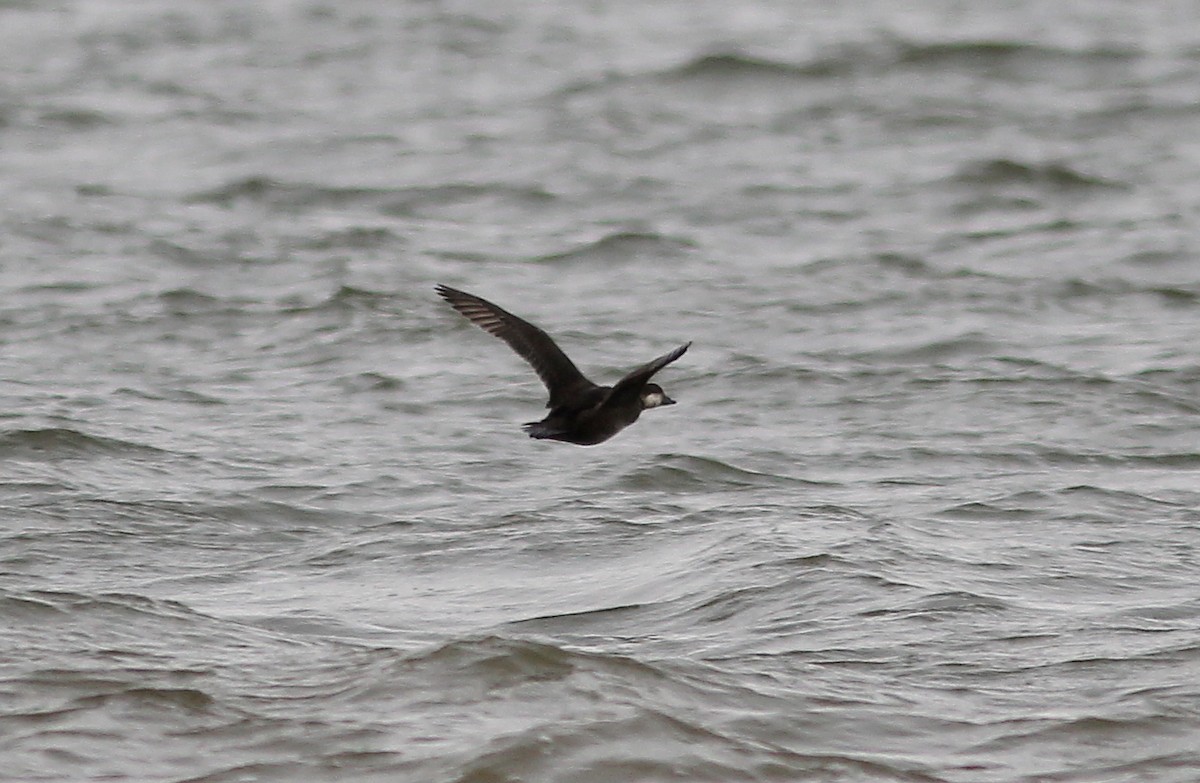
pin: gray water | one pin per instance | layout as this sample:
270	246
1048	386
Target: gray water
928	508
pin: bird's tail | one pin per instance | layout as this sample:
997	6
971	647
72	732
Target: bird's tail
541	430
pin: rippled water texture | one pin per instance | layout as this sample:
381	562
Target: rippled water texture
928	508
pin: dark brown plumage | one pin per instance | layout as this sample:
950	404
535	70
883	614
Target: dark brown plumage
581	412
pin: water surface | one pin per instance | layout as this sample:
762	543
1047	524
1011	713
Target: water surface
927	509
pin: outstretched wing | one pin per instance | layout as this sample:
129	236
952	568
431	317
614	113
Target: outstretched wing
561	376
631	385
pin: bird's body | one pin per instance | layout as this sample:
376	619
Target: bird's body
581	412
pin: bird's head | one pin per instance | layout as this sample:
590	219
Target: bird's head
654	396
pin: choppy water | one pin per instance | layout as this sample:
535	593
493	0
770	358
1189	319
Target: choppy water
928	509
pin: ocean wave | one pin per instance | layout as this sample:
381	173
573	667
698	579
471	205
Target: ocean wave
402	202
417	201
497	662
354	298
622	246
65	443
115	615
730	65
1070	502
76	119
371	382
135	698
1112	289
1051	176
1160	740
946	602
997	58
629	717
353	238
680	471
280	194
936	350
893	84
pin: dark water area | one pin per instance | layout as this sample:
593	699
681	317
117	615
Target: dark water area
928	508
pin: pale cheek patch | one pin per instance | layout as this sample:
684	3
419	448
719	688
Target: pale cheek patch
652	400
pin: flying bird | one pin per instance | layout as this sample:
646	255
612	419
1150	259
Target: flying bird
581	412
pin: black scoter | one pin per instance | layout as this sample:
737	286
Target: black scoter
581	412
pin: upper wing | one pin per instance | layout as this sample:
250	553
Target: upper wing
631	385
561	376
